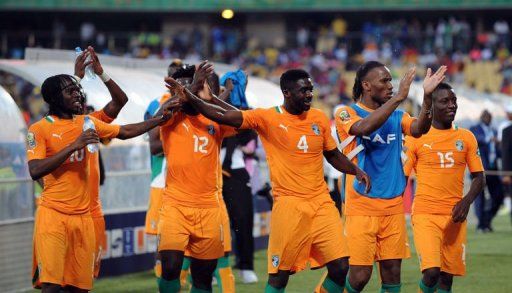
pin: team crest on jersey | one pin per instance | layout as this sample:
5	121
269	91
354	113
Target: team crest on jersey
31	140
344	116
211	129
275	260
316	129
459	144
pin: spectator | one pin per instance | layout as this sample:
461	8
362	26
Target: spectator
486	137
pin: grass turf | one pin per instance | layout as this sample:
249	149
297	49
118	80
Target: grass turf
488	259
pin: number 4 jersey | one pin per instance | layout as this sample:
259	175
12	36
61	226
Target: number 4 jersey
440	158
66	188
294	145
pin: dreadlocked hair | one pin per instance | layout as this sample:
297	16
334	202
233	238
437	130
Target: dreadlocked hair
362	71
51	90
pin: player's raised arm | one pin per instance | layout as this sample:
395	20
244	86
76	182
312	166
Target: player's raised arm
461	209
42	167
431	81
228	117
378	117
119	98
343	164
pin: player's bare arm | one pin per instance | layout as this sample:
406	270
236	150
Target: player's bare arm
378	117
42	167
228	117
344	165
461	209
136	129
155	144
431	81
208	95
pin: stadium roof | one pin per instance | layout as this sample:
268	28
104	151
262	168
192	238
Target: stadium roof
251	5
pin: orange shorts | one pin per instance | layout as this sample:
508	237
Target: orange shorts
196	230
440	243
101	242
303	231
226	228
64	248
153	213
376	238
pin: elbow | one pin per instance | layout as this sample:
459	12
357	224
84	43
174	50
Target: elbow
34	174
124	100
357	130
416	134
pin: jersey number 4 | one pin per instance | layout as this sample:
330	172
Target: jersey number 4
303	144
446	159
200	142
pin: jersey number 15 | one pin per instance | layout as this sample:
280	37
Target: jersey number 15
446	159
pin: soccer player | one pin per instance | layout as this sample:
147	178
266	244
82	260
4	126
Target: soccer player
305	224
64	237
371	131
439	213
191	220
107	115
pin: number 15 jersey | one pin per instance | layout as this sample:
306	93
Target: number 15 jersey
294	145
440	158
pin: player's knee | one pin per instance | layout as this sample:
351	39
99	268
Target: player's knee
171	264
360	277
337	269
390	271
202	273
431	276
279	280
445	280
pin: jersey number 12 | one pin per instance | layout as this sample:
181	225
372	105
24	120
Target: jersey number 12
200	142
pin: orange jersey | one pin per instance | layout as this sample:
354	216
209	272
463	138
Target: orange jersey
440	158
94	171
294	145
66	188
191	146
357	204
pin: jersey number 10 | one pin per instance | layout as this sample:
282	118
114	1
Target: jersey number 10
446	159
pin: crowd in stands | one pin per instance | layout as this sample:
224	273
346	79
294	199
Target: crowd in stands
476	55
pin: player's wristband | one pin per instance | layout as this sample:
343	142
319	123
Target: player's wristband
104	77
78	79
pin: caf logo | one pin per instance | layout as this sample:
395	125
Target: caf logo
211	129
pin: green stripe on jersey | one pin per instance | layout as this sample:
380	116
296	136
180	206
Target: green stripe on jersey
278	109
156	166
49	119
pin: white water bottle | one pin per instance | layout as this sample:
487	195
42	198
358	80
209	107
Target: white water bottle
89	124
89	72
